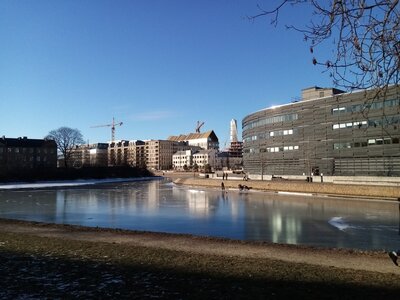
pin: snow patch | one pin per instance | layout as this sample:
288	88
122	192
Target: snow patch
68	183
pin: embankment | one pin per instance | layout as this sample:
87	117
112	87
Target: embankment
370	191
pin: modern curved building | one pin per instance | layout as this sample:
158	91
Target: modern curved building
328	132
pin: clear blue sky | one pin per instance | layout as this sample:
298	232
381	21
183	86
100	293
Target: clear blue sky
158	66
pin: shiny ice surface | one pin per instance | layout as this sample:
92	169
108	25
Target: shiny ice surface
159	205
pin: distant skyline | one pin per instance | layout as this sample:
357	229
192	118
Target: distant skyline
157	66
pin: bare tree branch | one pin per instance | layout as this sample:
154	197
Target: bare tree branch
66	139
365	35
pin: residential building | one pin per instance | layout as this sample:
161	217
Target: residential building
159	153
202	158
18	154
182	160
328	132
206	140
137	154
118	153
89	155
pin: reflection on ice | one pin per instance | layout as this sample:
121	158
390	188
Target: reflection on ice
158	205
339	223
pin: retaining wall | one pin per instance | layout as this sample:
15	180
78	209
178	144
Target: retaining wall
374	191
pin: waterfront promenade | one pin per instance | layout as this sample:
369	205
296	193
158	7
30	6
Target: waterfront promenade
345	190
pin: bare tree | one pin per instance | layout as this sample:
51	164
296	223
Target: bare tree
365	37
66	139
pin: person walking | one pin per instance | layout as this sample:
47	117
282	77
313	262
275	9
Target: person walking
222	186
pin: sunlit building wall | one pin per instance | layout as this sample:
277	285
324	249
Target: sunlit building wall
328	132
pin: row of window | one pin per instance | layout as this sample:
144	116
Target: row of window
266	135
284	148
26	150
381	122
362	107
366	143
29	158
272	149
270	120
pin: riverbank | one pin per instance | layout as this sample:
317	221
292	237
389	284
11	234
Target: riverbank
57	261
58	174
368	191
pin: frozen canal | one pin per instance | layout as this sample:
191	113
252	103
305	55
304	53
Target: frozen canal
159	205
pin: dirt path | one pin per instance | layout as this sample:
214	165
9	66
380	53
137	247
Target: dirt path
339	258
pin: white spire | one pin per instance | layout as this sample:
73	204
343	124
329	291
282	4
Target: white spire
234	131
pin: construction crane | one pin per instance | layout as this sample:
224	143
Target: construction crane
199	124
112	125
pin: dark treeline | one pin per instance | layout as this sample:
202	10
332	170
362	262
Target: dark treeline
72	174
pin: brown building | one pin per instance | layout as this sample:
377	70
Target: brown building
118	153
159	153
24	154
137	154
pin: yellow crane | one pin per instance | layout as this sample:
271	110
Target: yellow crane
112	125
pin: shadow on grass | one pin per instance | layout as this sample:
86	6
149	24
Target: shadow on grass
26	275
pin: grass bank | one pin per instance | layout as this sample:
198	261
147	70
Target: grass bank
63	266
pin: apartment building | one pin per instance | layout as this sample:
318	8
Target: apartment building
118	153
182	160
202	158
93	155
24	154
159	153
137	154
328	132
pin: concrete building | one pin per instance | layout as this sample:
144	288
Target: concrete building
118	153
224	161
328	132
206	140
93	155
137	154
236	147
202	158
182	160
159	153
18	154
